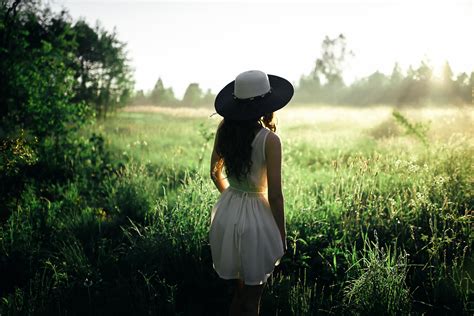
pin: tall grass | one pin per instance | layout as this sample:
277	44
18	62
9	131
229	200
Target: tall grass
379	287
376	225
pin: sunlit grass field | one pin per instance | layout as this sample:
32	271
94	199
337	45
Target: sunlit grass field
378	221
177	136
379	208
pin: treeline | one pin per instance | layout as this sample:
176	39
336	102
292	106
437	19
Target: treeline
416	86
325	84
194	96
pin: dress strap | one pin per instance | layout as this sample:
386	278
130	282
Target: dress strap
264	142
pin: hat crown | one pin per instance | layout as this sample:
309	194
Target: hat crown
251	84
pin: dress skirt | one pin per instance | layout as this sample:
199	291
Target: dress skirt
244	237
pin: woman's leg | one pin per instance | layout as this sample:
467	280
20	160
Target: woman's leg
251	295
236	304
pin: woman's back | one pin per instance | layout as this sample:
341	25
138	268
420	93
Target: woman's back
256	179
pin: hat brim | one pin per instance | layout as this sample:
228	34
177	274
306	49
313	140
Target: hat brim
230	108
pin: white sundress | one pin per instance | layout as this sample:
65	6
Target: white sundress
244	237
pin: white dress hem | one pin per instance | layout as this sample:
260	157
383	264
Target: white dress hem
238	276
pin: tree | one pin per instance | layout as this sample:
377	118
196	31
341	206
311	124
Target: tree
53	74
424	72
471	86
103	76
156	96
38	116
447	85
192	95
308	89
396	77
422	85
377	84
208	99
325	82
161	95
395	81
36	82
139	98
447	73
334	55
414	87
463	88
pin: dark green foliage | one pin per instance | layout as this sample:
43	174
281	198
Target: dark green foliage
101	71
16	154
42	109
36	85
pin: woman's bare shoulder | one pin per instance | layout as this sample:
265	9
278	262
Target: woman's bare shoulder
272	142
273	137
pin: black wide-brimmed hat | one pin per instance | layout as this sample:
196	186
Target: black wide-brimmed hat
253	94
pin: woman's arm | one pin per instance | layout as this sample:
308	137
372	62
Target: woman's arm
216	173
275	194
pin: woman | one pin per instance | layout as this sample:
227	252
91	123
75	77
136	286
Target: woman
247	234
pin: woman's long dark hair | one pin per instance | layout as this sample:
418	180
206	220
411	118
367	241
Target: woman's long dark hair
234	140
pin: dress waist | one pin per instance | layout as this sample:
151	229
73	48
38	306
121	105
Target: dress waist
249	190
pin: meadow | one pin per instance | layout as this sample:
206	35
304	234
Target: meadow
351	178
379	213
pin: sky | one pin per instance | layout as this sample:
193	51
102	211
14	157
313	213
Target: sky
212	42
